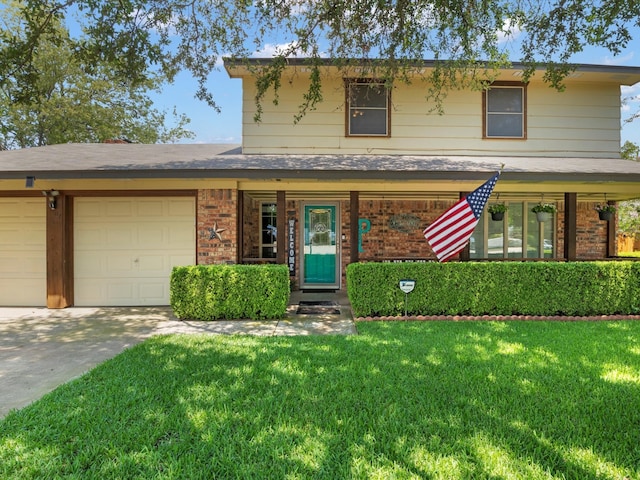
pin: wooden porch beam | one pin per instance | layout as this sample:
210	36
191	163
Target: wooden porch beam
240	227
611	235
281	226
59	247
354	227
465	253
570	225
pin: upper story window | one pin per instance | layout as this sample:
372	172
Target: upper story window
504	107
368	108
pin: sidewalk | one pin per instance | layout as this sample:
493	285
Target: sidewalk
41	348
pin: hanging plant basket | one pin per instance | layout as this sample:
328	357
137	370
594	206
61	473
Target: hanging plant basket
544	211
543	216
605	215
606	211
497	211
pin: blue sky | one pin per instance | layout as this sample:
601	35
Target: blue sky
226	127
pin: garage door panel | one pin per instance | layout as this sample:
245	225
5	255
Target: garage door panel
121	292
180	208
89	262
152	236
87	208
23	259
153	264
134	244
155	290
91	291
120	265
26	235
175	260
119	208
23	292
181	236
120	237
25	265
89	236
149	208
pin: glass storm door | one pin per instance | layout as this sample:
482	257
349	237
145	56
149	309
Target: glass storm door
320	248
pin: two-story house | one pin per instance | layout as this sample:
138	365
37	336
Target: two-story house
357	179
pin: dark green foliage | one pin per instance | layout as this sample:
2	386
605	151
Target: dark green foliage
496	288
388	40
214	292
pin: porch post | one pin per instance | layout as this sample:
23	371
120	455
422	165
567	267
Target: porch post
281	227
354	227
570	225
611	234
240	227
465	253
60	253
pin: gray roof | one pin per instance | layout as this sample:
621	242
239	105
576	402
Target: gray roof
620	74
73	161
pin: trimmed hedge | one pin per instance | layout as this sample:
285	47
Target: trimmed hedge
215	292
496	288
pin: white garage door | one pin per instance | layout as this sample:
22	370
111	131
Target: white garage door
125	248
23	257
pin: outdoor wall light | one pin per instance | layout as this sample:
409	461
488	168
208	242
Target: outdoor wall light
51	197
30	181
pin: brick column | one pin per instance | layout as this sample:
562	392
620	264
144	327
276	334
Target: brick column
217	226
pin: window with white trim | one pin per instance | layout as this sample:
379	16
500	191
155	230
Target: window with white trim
504	108
367	108
518	235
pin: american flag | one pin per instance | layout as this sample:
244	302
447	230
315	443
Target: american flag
451	231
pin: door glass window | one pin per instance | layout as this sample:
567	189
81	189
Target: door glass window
268	236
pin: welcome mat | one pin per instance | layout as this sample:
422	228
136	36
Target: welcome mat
321	307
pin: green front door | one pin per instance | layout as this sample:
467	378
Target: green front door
320	248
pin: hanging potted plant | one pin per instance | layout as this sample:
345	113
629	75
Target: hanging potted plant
606	211
544	211
497	211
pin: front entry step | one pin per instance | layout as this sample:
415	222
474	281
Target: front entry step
318	307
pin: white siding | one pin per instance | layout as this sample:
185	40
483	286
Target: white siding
582	121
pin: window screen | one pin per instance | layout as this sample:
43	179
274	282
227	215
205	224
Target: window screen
505	112
368	109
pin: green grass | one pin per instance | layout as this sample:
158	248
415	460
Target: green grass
402	400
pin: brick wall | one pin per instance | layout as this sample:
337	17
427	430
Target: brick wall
217	212
591	233
397	226
396	229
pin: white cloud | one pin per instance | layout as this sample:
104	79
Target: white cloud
624	60
271	50
510	31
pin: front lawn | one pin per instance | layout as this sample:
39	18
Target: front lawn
401	400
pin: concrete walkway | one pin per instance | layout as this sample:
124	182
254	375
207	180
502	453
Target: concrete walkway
41	349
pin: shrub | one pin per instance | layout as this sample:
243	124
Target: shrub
495	288
213	292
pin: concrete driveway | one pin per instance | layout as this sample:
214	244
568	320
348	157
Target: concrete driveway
41	349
